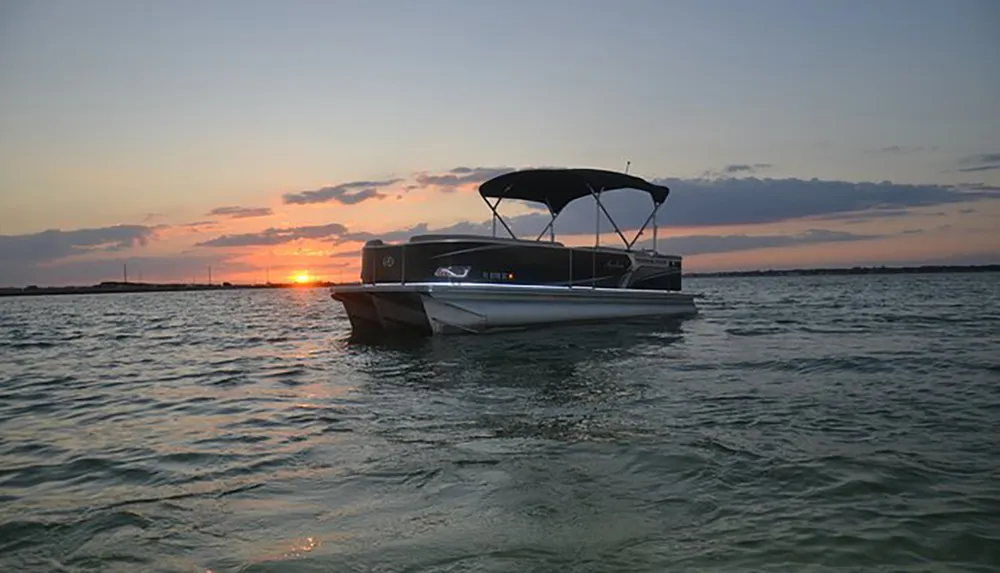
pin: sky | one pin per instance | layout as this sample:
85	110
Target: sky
266	139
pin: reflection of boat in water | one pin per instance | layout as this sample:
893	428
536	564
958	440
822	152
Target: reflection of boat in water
436	284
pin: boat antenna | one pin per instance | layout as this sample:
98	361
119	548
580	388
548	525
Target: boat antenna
627	164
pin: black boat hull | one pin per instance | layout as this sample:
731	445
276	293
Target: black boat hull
505	261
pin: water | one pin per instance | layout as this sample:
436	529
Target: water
799	424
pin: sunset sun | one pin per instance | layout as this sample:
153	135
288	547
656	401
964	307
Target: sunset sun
302	277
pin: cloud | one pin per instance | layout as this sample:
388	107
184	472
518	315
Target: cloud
734	169
901	149
460	228
460	176
240	212
350	253
194	224
745	168
709	244
866	216
990	157
397	235
757	201
170	268
350	193
53	244
749	201
273	236
978	187
992	167
979	162
723	202
876	214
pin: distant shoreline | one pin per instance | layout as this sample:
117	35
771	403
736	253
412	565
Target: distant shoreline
122	287
923	269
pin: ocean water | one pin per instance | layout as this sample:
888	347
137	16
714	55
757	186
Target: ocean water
797	424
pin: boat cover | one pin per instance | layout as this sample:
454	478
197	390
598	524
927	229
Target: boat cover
559	187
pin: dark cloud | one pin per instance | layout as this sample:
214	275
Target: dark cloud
755	201
751	201
724	202
345	193
876	214
979	162
745	168
854	217
983	158
992	167
241	212
735	169
461	176
710	244
52	245
978	187
273	236
200	224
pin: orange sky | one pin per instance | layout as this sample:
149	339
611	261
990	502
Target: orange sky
949	226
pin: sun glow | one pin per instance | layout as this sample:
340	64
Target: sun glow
302	278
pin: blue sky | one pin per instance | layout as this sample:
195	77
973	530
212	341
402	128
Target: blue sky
135	113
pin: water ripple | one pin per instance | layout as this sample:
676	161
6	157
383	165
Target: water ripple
798	424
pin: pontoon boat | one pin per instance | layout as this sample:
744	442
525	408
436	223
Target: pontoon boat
439	284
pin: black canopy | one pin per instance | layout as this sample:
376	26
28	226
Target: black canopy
558	187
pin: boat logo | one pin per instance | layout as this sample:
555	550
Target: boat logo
388	261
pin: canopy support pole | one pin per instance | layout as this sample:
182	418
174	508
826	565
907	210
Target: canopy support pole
597	197
597	238
651	217
654	231
497	217
597	218
550	227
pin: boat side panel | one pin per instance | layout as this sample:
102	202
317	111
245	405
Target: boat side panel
519	263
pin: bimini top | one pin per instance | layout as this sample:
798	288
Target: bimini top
559	187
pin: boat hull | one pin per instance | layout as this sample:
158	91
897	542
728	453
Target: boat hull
478	308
